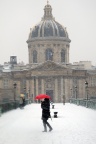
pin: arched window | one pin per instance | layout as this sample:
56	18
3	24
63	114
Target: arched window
49	54
63	55
34	56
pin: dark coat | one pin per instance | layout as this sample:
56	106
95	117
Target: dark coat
45	105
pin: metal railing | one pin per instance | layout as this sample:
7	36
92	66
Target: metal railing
83	102
10	105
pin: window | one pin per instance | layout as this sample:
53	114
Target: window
34	56
49	54
63	55
5	83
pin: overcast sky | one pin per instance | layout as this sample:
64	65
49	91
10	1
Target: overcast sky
18	16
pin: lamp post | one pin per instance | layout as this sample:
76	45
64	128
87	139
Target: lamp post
76	92
29	95
63	99
71	92
32	98
86	84
15	85
25	91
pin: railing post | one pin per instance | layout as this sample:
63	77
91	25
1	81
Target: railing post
0	111
87	104
86	84
53	106
55	114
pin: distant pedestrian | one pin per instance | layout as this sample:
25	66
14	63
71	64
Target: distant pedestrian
45	105
22	102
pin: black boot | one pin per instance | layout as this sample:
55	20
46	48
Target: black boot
50	128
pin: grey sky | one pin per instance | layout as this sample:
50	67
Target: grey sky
18	16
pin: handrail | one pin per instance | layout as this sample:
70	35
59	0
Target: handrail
10	105
84	102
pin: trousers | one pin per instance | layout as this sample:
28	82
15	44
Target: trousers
45	123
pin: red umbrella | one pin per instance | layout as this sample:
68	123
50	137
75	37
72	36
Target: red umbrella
42	96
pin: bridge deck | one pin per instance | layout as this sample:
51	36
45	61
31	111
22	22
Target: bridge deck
74	125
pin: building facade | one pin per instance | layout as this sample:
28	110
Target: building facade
49	69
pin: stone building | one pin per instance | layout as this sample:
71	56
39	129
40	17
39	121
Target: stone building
49	68
48	46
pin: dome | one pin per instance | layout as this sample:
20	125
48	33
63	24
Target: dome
48	28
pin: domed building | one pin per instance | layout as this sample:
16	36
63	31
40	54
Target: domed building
48	47
48	40
49	70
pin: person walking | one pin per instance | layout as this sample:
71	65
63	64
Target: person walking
22	102
45	105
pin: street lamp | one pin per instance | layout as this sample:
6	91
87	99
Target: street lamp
25	91
86	84
71	92
76	92
32	97
29	93
63	98
15	85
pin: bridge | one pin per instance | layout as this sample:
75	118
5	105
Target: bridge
74	124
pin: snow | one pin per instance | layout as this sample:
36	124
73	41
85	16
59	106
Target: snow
74	125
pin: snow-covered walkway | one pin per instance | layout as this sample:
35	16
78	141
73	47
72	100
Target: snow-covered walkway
74	125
